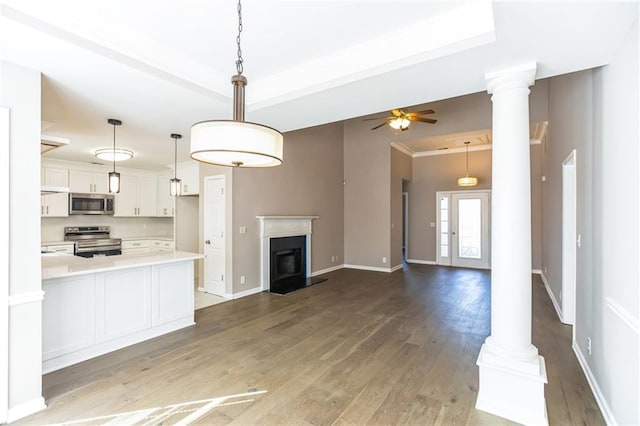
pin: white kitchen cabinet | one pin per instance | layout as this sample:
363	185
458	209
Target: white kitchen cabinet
162	245
136	246
166	203
170	302
60	248
55	177
189	173
54	205
137	197
125	302
68	315
88	182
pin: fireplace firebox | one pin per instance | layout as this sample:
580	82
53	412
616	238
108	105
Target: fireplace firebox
288	263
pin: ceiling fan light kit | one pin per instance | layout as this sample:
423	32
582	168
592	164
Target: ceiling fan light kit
236	143
467	180
400	119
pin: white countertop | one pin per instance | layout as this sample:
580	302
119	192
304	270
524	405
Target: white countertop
55	243
67	266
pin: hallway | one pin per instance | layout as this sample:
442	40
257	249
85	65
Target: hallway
360	348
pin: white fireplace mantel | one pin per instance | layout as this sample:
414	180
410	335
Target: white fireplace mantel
281	226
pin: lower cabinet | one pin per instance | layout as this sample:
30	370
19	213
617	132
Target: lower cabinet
89	315
170	301
69	321
125	301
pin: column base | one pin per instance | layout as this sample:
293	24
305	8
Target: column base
512	388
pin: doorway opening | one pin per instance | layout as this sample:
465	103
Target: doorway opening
405	226
569	239
463	229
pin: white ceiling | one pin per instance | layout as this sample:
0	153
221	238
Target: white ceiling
160	66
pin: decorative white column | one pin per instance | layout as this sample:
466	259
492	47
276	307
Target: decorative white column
512	374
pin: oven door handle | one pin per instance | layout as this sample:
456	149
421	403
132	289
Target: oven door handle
97	249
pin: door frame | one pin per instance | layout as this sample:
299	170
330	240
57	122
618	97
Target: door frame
228	268
569	238
449	194
405	223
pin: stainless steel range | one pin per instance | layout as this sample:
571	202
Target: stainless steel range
93	241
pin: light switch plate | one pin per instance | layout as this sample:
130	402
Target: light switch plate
243	229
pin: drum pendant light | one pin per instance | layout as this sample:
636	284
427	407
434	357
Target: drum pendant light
175	184
114	177
467	180
236	143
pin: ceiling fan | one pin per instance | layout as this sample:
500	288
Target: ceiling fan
401	118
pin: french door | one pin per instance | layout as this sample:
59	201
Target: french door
463	229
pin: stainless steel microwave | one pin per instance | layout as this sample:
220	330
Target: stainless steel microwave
90	203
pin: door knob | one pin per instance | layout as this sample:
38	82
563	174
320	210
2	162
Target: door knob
207	242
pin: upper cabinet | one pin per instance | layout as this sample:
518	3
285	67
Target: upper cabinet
54	205
166	207
137	197
88	182
189	173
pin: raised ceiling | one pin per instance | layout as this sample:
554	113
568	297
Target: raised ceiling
161	66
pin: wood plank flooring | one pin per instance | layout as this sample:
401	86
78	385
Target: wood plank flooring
360	348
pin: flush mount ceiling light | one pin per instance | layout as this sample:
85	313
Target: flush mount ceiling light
114	177
236	143
175	184
109	154
467	180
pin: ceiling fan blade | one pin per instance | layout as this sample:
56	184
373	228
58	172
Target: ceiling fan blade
424	120
379	125
426	111
377	118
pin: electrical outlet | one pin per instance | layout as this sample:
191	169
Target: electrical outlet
242	279
333	259
545	270
337	258
589	345
243	229
384	260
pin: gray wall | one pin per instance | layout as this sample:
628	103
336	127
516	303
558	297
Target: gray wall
309	182
400	171
596	112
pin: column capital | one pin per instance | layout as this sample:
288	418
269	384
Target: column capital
521	76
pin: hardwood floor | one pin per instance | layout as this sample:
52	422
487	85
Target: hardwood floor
360	348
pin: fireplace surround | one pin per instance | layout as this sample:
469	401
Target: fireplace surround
276	228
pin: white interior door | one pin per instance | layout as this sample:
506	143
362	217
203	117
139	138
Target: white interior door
569	239
214	238
469	226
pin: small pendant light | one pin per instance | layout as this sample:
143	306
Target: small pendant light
114	177
175	184
467	180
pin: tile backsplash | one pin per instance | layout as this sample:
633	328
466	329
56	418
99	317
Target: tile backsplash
52	228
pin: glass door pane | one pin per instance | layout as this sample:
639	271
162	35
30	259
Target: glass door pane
470	228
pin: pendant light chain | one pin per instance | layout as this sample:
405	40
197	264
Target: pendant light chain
239	66
175	157
114	147
467	144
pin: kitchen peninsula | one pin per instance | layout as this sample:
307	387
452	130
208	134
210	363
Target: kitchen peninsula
97	305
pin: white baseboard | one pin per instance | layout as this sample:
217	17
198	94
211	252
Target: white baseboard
246	293
593	384
26	409
396	268
422	262
327	270
368	268
552	296
536	271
